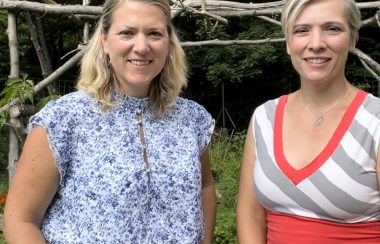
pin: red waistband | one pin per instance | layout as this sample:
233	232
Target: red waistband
291	229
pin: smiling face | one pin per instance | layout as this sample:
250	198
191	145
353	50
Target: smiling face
137	44
320	40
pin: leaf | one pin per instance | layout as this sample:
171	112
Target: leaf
45	100
21	88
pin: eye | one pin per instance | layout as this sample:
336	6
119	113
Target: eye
334	29
155	34
301	31
126	33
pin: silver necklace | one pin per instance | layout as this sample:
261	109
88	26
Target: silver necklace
320	118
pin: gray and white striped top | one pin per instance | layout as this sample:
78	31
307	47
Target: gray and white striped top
340	184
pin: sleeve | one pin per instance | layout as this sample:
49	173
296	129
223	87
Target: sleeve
58	122
204	127
253	121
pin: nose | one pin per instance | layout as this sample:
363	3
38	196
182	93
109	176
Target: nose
141	44
317	41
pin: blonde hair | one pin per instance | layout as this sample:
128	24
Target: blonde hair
293	8
96	75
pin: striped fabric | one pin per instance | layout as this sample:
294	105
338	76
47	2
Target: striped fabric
339	185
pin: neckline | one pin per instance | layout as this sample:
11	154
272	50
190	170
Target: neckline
298	175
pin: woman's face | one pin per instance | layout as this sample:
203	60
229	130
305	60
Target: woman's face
320	41
137	44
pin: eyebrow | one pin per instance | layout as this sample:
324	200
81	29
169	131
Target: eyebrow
323	24
150	28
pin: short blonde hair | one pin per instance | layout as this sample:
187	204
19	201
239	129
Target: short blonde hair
96	75
293	8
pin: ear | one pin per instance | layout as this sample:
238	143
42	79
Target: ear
287	47
103	39
352	45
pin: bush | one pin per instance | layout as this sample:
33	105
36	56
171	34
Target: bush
226	155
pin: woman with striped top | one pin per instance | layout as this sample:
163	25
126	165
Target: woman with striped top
311	165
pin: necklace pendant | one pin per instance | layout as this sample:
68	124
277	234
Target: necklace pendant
319	121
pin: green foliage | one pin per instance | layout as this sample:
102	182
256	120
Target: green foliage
3	184
226	155
235	63
3	118
21	88
363	86
43	101
225	229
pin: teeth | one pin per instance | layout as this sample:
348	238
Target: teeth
139	62
317	60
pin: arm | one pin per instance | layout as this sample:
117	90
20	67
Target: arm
378	167
251	216
32	188
208	198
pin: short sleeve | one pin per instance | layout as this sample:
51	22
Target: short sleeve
57	120
205	126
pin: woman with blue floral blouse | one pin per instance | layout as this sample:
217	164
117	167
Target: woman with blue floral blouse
123	159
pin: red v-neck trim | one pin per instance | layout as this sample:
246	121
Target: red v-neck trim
296	176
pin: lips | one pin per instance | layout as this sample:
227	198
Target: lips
140	62
317	60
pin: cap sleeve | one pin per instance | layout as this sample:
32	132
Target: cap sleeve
57	120
204	126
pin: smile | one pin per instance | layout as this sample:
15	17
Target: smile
317	60
140	62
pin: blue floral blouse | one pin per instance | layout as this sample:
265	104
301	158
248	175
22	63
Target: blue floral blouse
110	193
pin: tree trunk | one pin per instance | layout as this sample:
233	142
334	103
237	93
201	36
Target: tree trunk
13	154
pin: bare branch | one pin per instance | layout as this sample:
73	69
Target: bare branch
370	70
369	61
231	42
270	20
49	8
204	12
13	45
219	8
373	21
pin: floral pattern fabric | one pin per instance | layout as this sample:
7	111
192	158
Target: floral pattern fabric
108	193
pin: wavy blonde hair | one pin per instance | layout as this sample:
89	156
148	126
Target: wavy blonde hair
97	77
293	8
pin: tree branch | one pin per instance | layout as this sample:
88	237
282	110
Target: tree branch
367	59
220	8
231	42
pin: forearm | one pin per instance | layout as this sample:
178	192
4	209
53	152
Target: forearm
251	232
209	209
22	233
251	224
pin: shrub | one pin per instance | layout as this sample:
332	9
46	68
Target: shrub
226	155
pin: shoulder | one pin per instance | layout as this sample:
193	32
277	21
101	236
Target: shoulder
66	108
187	106
269	106
71	100
71	103
372	105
